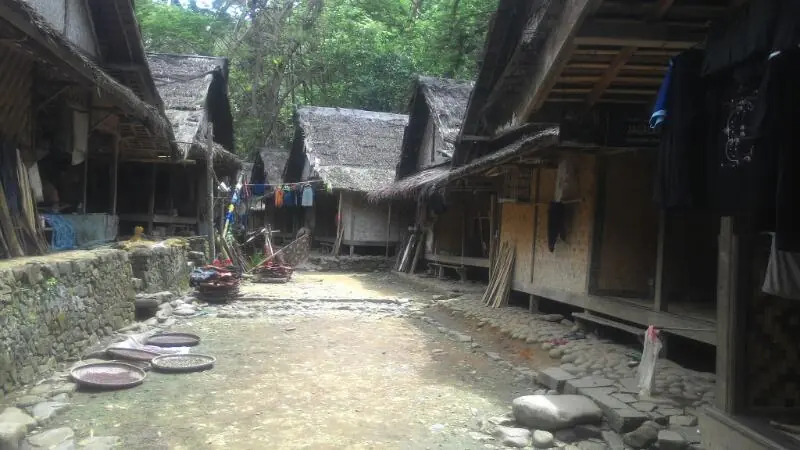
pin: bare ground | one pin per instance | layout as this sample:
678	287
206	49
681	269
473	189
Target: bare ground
325	379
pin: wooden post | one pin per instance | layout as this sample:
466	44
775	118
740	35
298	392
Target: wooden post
464	229
727	303
212	244
151	206
536	196
660	303
388	228
85	181
492	225
115	175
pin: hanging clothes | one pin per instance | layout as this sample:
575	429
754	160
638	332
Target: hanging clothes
776	164
747	33
660	107
682	157
556	224
288	196
308	196
782	278
278	197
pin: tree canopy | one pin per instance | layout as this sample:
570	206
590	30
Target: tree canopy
360	54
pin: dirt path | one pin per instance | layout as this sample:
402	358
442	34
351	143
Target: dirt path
312	378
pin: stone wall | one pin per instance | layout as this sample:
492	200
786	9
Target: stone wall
162	266
53	307
325	263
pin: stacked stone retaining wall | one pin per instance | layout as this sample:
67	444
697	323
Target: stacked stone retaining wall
53	307
161	267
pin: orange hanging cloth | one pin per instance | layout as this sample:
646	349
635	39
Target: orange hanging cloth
278	198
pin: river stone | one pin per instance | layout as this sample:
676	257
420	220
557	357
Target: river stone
45	411
542	439
17	416
513	437
642	437
671	440
29	400
56	438
555	412
99	443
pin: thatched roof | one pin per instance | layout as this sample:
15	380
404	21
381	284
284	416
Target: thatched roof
270	161
58	51
410	186
194	91
351	149
516	33
447	100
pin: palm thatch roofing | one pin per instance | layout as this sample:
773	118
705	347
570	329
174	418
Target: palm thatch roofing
52	48
447	100
195	94
351	149
535	137
269	164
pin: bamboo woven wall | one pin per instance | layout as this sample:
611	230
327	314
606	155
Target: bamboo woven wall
16	89
517	228
566	268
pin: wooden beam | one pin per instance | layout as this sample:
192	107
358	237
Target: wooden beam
604	66
608	77
625	33
660	303
728	261
593	79
555	53
660	10
619	91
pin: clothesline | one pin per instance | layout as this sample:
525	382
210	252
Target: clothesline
300	183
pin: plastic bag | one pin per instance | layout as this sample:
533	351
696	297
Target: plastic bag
647	366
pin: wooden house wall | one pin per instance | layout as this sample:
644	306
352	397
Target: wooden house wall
626	250
16	91
565	269
431	141
366	222
517	228
448	227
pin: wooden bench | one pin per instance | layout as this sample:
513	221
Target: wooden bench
438	269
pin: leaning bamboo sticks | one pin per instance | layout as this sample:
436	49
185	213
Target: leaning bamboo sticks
500	278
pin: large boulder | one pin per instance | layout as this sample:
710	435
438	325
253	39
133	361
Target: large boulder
555	412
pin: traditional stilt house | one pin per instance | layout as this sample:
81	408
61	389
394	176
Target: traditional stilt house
341	155
455	222
66	119
195	94
590	235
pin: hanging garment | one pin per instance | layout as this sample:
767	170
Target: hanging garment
556	224
298	196
278	198
566	181
776	165
782	278
80	137
660	108
747	33
682	156
288	197
787	30
308	196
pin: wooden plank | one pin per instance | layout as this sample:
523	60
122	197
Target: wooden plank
660	9
158	218
592	79
589	317
688	327
660	303
608	77
555	53
625	33
605	66
470	261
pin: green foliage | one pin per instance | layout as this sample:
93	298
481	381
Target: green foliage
349	53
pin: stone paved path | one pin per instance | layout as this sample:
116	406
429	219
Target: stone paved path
337	361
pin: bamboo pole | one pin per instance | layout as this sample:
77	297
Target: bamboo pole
210	195
388	228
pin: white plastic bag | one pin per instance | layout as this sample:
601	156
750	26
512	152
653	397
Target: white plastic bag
647	366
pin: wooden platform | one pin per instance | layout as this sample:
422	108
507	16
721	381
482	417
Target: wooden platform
468	261
688	327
